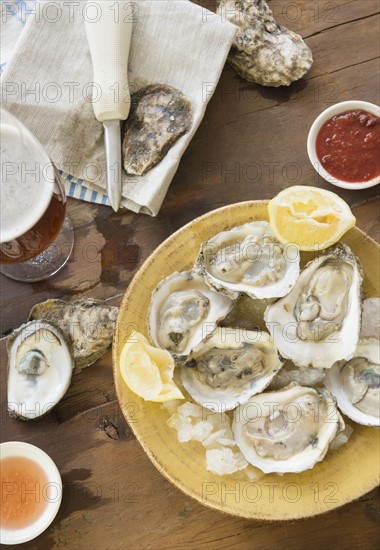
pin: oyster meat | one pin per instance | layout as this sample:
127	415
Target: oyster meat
318	322
289	430
230	367
264	51
356	383
249	259
183	312
88	325
40	366
159	116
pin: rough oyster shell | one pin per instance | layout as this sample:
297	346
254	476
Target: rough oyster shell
249	259
40	366
318	322
183	312
289	430
230	367
356	383
160	114
263	51
88	325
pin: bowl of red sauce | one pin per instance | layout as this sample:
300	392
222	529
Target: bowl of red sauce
344	144
31	492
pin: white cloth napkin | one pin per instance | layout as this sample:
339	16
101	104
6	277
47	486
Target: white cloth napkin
47	84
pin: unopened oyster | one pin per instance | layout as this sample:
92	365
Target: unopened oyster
88	325
288	430
183	312
249	259
263	51
318	322
356	383
230	367
40	366
160	114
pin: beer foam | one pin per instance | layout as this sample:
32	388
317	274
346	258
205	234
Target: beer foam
27	180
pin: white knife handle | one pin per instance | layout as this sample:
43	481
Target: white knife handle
109	31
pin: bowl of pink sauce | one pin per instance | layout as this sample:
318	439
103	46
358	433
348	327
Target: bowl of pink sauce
344	144
31	492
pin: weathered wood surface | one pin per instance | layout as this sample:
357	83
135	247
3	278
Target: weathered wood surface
251	144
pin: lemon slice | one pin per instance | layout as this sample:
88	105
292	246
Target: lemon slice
309	217
148	371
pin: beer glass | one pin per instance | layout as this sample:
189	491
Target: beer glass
36	237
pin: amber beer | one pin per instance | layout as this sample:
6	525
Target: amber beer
33	202
36	239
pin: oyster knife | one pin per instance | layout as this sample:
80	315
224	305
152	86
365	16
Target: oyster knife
109	33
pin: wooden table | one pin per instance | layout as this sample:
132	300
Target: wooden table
251	144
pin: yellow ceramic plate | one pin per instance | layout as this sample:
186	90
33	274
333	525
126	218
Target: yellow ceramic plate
343	476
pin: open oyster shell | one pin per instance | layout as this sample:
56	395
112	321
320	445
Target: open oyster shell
356	383
287	430
318	322
40	365
88	325
230	367
160	115
249	259
183	312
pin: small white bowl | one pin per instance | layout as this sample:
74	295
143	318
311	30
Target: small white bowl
52	492
313	133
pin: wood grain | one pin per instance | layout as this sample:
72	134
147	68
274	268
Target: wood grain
251	144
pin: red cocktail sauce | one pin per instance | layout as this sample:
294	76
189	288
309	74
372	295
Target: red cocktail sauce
348	146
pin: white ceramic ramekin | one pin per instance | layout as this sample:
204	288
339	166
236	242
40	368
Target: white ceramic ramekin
52	492
313	133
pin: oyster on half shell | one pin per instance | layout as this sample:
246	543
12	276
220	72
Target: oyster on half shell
249	259
183	312
40	365
230	367
289	430
356	383
318	322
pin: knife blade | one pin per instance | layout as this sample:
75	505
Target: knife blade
109	32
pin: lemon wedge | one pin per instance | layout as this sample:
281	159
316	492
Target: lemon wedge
309	217
148	371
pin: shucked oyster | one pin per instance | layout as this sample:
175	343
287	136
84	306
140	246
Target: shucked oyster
159	116
88	325
40	366
249	259
230	367
318	322
288	430
183	312
356	383
263	51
